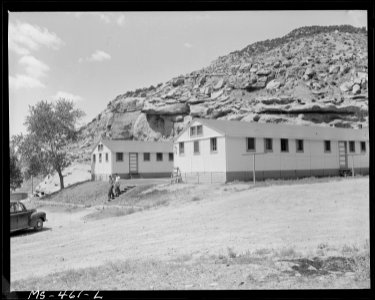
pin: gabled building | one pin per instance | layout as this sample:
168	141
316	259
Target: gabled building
131	159
220	151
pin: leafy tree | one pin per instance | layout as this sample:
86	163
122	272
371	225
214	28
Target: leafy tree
32	157
14	170
51	128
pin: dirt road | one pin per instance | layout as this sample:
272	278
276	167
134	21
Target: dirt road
302	216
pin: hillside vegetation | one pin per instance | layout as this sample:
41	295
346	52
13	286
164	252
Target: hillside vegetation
313	75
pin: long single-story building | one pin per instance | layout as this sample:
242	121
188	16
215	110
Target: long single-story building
220	151
131	159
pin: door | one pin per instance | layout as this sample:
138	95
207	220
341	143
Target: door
343	155
13	217
22	216
133	163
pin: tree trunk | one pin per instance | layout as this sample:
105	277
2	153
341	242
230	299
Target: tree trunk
61	179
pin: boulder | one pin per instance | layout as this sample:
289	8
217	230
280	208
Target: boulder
201	80
217	94
254	69
220	112
356	89
309	72
263	72
334	69
199	111
152	128
178	81
276	100
346	86
219	84
121	126
194	100
286	63
273	84
127	105
245	67
169	109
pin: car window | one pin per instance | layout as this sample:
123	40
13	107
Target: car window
19	207
12	208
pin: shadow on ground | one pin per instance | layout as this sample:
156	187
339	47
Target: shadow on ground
318	266
28	232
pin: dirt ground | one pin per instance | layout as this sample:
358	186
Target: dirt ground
301	216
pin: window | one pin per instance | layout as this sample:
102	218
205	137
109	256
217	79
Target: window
199	130
93	158
100	157
192	131
181	148
159	156
284	145
196	147
146	156
351	146
299	145
250	144
100	147
106	157
20	207
213	142
268	144
327	146
119	156
170	156
363	146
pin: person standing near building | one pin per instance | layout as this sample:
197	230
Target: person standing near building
117	186
110	188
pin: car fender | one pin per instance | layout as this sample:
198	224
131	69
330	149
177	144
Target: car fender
35	216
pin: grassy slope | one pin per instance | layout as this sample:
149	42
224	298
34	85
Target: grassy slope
261	269
329	265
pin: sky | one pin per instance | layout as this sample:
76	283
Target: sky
91	57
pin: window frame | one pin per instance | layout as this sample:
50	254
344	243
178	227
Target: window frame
265	145
327	142
196	152
247	144
100	158
106	157
197	130
183	148
122	156
363	150
281	145
193	131
158	155
212	143
303	146
169	156
351	143
144	156
94	158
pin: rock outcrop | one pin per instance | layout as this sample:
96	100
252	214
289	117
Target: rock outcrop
313	74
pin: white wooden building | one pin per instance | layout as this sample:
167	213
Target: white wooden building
131	159
219	151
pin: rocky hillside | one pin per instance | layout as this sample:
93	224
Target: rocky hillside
313	75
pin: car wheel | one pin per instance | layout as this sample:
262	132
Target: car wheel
39	224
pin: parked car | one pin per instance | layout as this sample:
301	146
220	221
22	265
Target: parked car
23	218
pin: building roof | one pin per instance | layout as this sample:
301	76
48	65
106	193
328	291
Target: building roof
272	130
136	146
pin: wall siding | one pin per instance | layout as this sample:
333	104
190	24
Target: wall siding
103	167
205	161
